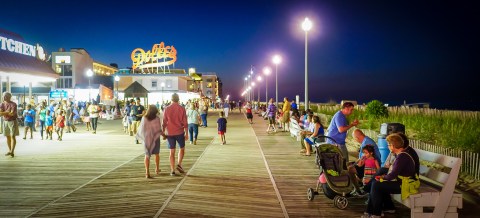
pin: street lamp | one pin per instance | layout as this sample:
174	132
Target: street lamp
259	79
266	71
245	87
162	84
117	78
89	75
306	26
276	60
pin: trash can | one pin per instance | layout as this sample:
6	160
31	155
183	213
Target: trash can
385	130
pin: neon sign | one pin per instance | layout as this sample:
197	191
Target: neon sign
159	56
11	45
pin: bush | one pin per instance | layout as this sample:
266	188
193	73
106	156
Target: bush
376	109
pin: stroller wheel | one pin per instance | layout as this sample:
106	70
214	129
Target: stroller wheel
310	194
340	202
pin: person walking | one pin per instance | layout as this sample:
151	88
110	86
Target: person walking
49	124
248	109
93	110
222	128
149	132
271	111
204	114
176	126
8	109
60	125
28	119
139	111
339	126
86	117
193	118
42	113
226	108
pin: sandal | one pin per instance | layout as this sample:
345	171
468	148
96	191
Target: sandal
180	169
306	154
158	171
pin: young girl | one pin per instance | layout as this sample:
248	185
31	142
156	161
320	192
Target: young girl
371	164
60	124
222	128
49	124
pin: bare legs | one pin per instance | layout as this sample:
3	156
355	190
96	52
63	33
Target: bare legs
181	153
11	142
147	165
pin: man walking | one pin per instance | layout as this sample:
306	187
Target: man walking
8	109
226	108
339	126
175	123
139	112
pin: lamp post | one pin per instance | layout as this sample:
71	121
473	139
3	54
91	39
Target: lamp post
276	60
266	71
245	87
162	84
306	26
253	91
89	75
117	78
259	79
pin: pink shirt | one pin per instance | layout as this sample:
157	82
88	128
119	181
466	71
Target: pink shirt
9	106
175	120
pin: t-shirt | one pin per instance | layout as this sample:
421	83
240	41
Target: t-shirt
294	105
192	116
9	106
338	120
48	120
42	114
29	115
60	121
93	111
222	124
140	109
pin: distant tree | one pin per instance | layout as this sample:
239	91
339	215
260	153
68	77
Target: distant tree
376	109
114	65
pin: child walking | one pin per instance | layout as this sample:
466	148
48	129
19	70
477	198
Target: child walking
60	124
222	128
49	124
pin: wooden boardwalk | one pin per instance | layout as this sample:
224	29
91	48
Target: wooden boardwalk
254	175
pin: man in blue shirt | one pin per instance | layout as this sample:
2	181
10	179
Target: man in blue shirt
29	115
339	126
293	105
364	140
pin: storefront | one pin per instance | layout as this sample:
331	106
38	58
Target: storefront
24	69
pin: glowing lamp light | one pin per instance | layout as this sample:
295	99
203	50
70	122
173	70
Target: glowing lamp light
89	73
277	59
117	78
259	78
267	71
253	84
307	25
246	78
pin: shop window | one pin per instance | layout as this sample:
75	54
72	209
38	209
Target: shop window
209	80
154	84
168	83
67	70
209	85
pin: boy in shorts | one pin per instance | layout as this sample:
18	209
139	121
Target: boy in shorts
49	124
60	124
222	128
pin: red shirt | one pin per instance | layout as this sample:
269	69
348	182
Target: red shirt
175	119
9	106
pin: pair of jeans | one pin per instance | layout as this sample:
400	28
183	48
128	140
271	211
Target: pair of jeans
380	199
94	121
192	129
204	119
42	127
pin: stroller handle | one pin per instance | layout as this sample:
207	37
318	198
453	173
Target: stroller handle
317	144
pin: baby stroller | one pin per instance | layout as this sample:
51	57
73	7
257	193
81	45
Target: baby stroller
334	180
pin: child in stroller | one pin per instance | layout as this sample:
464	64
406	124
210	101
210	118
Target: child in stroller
334	179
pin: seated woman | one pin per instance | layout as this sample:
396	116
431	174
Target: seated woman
404	167
318	131
308	129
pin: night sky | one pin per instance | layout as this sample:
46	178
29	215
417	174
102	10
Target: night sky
426	51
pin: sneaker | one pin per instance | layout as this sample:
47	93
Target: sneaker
172	173
180	169
365	215
389	211
190	142
195	142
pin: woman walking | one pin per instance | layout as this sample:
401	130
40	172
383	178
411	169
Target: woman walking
149	132
193	118
42	115
271	112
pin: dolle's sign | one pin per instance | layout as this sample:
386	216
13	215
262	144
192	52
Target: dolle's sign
11	45
159	56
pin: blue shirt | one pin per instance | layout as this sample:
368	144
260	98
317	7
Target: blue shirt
338	120
226	105
29	115
222	124
294	105
48	120
368	141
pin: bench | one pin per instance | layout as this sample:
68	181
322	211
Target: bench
444	202
295	129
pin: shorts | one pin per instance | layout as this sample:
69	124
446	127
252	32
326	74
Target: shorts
28	124
172	141
221	132
156	149
271	120
249	116
134	126
10	128
286	117
49	128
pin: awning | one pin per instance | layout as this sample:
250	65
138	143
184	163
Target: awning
23	68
